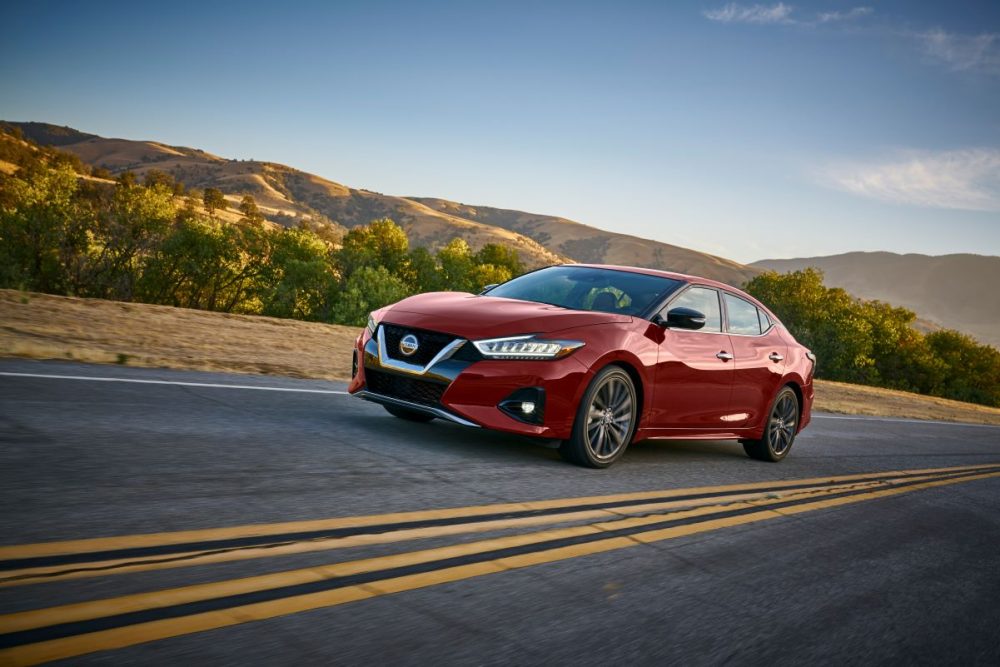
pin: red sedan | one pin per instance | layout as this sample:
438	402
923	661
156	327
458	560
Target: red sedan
596	357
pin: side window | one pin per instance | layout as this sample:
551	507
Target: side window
704	300
743	317
765	321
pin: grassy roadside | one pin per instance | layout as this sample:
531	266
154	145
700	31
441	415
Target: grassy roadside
40	326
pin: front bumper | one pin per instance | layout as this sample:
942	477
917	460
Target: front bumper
465	388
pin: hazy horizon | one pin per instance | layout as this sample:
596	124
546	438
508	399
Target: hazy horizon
750	131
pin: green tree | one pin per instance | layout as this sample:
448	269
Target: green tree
206	264
500	256
298	279
213	200
379	243
154	177
425	274
367	289
43	230
125	233
456	264
251	214
126	179
488	274
972	370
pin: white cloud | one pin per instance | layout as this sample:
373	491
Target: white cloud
963	52
849	15
779	13
736	13
966	179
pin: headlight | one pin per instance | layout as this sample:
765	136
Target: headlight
526	347
811	357
372	325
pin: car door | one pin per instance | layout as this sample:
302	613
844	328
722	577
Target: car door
694	371
759	362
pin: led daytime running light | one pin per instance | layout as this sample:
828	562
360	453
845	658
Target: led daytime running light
526	347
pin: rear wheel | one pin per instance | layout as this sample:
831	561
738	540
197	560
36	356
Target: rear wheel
604	422
408	415
779	432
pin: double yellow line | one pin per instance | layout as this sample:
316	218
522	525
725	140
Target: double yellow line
602	523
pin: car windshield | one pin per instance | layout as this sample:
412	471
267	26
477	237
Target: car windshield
587	288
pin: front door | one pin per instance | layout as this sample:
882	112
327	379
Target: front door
694	370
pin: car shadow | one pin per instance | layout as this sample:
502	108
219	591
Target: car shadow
485	445
659	450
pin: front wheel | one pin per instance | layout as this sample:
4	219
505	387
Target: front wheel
779	432
605	421
408	415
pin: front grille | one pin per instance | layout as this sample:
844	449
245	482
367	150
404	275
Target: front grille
430	343
405	388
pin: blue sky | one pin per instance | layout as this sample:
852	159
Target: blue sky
748	130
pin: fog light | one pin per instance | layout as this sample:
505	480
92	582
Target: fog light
525	405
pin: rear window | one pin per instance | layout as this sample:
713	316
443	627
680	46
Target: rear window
744	318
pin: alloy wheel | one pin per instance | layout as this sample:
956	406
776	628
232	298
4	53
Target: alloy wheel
609	417
784	421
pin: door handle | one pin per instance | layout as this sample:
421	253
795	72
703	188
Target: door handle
725	356
775	357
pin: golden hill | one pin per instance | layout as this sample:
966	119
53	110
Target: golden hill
284	194
591	245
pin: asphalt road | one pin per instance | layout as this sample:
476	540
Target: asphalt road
876	568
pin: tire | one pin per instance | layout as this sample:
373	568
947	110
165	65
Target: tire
605	420
779	431
408	415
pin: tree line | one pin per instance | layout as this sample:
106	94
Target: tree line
874	343
67	229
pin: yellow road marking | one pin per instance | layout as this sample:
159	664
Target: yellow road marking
162	629
192	558
182	595
13	552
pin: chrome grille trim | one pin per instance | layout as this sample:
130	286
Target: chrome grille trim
386	361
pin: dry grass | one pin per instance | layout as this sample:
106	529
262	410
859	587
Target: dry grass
855	399
41	326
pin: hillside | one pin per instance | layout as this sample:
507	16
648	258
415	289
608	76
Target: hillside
589	244
952	291
284	193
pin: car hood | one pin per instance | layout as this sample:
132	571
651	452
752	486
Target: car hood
477	317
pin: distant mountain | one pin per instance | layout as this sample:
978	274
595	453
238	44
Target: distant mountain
592	245
953	291
284	193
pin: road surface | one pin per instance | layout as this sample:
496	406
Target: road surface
154	516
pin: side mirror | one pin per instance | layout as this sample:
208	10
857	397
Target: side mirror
684	318
488	288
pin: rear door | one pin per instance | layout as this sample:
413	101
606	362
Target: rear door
759	359
694	377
